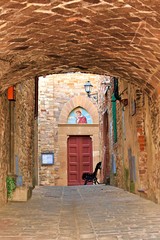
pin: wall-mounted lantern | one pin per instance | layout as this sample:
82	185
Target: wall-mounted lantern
11	94
88	88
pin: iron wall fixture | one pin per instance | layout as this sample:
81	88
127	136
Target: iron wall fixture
11	93
116	92
88	88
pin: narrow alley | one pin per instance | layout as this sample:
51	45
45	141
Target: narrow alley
97	212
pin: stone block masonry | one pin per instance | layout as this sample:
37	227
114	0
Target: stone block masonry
24	131
69	213
17	137
136	151
55	92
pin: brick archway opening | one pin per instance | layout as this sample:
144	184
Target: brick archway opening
76	130
75	102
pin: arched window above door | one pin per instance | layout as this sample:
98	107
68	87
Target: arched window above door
82	102
79	115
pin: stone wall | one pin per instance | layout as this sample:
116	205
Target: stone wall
152	129
54	92
17	137
105	134
24	131
64	132
129	150
136	152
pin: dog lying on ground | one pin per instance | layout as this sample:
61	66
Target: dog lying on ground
91	177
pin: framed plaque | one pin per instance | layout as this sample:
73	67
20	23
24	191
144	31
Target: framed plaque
47	158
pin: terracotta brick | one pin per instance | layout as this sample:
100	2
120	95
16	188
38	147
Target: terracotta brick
66	32
142	171
158	90
40	1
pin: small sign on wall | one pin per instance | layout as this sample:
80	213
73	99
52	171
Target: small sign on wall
47	158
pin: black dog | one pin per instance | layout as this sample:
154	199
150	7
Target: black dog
91	177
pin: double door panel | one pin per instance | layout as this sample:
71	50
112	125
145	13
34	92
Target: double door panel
79	158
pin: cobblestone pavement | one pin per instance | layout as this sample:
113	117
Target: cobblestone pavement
96	212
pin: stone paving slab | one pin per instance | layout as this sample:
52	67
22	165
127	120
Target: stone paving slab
97	212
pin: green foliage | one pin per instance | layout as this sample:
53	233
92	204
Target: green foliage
126	177
129	185
132	187
11	186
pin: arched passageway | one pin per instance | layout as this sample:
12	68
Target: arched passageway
117	38
111	38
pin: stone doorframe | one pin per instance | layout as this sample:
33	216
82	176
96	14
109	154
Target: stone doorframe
65	130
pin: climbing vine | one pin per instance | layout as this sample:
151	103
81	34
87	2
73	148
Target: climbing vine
11	186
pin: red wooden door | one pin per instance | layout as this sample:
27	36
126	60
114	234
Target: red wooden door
79	158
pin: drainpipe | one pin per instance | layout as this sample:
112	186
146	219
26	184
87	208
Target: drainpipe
11	98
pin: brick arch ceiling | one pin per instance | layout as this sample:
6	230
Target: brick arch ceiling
116	37
79	101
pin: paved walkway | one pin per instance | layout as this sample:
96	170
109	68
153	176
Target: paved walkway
97	212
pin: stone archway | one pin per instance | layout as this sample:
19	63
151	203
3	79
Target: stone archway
75	102
65	130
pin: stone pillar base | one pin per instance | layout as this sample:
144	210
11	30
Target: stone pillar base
21	194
